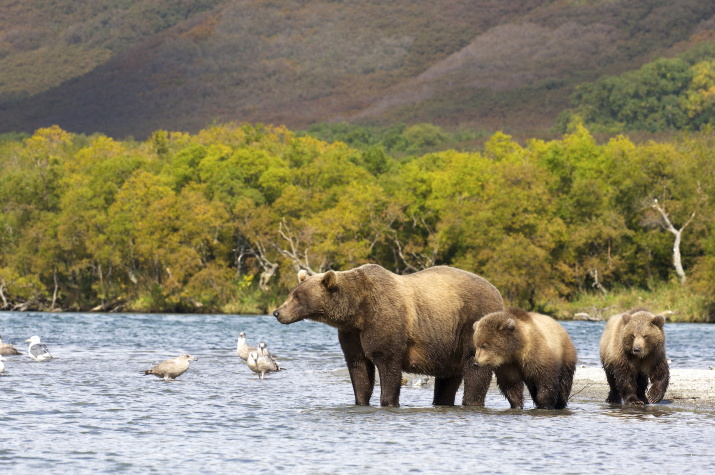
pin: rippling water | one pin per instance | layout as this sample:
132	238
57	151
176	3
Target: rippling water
92	410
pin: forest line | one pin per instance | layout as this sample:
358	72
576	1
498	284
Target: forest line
221	220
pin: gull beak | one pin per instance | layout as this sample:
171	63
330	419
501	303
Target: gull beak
27	341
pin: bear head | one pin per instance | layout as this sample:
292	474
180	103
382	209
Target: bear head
642	333
496	339
311	298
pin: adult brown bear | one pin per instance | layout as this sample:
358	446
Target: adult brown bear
420	323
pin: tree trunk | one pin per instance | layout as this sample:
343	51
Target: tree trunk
668	226
54	294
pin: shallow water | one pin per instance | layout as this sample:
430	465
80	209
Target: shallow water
91	409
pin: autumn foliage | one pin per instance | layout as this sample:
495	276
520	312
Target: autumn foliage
220	221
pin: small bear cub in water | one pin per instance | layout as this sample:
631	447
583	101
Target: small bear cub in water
633	351
524	347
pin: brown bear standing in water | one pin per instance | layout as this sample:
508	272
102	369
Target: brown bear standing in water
632	351
420	323
522	347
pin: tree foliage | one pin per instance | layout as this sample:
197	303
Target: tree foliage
221	220
666	94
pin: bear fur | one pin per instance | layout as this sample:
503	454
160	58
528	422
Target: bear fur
632	352
523	347
419	323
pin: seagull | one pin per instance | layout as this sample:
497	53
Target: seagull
2	366
261	364
171	369
263	351
36	350
7	349
242	348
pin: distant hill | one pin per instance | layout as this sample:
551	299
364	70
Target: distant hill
129	68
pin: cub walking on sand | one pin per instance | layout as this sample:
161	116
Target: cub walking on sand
633	351
523	347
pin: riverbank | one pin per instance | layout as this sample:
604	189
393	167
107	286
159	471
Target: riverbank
688	388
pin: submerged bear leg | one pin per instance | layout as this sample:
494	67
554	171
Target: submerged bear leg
659	379
545	395
476	384
390	371
641	386
565	383
626	384
613	395
511	387
361	369
445	390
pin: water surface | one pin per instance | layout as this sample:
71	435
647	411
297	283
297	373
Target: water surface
92	410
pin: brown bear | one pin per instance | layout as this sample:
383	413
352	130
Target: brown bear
632	351
523	347
420	323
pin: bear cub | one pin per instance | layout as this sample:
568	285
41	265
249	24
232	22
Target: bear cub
524	347
632	352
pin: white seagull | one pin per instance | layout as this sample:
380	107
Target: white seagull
242	348
261	364
36	350
263	351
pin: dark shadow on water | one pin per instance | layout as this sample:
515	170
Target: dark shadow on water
646	411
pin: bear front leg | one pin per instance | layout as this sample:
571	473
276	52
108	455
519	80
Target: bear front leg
613	395
627	385
641	386
390	369
476	383
361	369
659	379
511	387
445	390
544	394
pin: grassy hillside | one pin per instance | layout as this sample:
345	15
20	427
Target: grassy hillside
128	68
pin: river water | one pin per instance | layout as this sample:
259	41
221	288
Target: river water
91	409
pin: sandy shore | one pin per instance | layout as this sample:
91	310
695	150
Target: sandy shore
688	388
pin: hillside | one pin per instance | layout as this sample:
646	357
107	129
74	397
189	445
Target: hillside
128	68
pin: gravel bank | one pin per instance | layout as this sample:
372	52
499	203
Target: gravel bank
688	388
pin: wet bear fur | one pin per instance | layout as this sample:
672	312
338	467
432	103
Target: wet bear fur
419	323
632	352
527	348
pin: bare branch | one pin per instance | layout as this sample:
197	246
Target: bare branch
300	262
597	284
667	225
2	295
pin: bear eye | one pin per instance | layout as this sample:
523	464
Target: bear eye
633	336
484	346
645	337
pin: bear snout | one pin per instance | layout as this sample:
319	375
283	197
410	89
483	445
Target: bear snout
637	350
276	313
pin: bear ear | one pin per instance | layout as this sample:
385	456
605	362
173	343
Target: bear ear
474	327
302	275
330	281
658	321
626	318
510	325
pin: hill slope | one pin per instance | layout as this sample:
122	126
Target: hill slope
493	63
